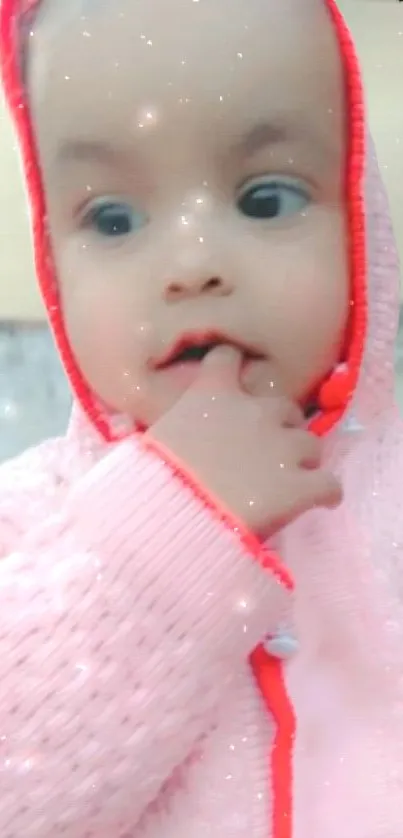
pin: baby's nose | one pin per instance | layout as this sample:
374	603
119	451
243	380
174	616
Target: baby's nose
188	285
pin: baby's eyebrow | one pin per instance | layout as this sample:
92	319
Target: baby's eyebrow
83	149
282	130
264	134
73	150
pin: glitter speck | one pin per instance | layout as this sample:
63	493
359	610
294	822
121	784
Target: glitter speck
239	54
9	410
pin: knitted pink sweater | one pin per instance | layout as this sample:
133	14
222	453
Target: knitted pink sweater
162	676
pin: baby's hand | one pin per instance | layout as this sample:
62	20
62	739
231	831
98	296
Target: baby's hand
252	454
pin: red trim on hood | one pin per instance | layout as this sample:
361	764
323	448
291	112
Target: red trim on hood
336	392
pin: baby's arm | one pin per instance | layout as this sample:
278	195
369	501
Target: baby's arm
123	620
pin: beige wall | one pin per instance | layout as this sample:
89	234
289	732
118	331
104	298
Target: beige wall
378	28
18	294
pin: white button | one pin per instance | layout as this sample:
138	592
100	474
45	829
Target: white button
283	646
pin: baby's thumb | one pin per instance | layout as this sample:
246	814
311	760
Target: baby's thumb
221	366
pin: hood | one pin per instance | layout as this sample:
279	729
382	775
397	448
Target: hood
362	387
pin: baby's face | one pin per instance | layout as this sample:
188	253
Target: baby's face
193	160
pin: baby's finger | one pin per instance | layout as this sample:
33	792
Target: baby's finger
220	368
309	448
286	413
322	489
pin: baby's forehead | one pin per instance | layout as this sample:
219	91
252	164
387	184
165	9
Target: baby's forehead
302	18
226	65
205	37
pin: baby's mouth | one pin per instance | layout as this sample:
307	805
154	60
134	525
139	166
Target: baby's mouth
193	354
192	349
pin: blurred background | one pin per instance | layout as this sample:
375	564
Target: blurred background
34	397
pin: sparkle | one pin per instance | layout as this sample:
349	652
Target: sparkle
9	410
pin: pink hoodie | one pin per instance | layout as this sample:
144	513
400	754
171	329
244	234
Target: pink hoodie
163	675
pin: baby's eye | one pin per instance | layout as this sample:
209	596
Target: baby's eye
269	198
114	218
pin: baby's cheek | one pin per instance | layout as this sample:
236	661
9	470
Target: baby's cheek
101	338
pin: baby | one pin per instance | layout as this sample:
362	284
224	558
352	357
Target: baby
201	624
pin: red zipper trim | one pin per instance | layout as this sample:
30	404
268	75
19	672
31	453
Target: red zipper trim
268	672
